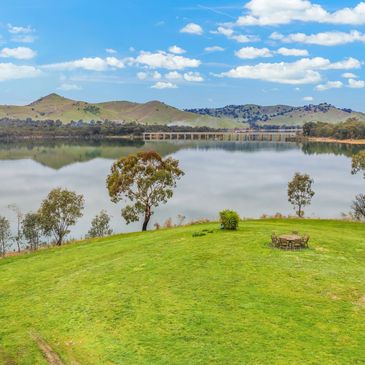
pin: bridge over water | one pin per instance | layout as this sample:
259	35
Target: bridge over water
279	135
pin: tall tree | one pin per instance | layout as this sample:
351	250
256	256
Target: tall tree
300	192
5	235
145	180
59	211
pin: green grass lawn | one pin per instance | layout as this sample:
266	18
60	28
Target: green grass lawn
164	297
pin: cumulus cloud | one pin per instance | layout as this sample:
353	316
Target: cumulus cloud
292	52
13	29
308	98
214	49
21	34
9	71
193	77
166	60
356	84
142	75
269	12
176	50
69	87
20	53
110	51
231	34
329	85
164	85
349	75
156	75
87	63
303	71
173	75
252	52
192	28
322	39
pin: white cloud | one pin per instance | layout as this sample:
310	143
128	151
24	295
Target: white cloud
329	85
9	71
173	75
214	49
110	50
24	38
166	60
176	50
87	63
142	75
156	75
276	12
292	52
193	77
192	28
164	85
308	98
356	84
69	87
230	34
349	75
20	53
303	71
19	30
321	39
252	52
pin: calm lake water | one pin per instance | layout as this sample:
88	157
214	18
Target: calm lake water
250	177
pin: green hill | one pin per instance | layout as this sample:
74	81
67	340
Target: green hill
56	107
281	114
164	297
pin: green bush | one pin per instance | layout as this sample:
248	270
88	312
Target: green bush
229	219
198	234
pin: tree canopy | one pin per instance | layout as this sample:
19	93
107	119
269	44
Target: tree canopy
144	180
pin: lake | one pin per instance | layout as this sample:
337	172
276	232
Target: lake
250	177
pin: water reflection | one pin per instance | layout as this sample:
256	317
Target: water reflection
250	177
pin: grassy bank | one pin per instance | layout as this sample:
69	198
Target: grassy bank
165	297
334	140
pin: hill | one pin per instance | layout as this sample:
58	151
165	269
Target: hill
164	297
56	107
281	114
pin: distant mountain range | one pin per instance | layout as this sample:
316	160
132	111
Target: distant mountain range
56	107
281	114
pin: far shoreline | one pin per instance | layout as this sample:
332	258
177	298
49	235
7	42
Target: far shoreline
334	140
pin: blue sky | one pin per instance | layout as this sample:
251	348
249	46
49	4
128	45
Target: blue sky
185	53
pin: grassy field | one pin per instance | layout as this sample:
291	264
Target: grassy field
165	297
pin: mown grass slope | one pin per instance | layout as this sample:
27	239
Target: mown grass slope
164	297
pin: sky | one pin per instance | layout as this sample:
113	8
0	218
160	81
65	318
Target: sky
186	53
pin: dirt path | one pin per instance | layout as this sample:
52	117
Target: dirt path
51	356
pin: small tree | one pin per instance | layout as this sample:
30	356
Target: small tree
32	230
5	235
300	192
358	207
19	216
59	211
100	225
358	163
144	179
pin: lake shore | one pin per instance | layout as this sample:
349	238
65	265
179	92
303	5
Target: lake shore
334	140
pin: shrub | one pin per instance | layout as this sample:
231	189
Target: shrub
198	234
229	219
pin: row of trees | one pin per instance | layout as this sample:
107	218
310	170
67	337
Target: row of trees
351	129
13	128
53	220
